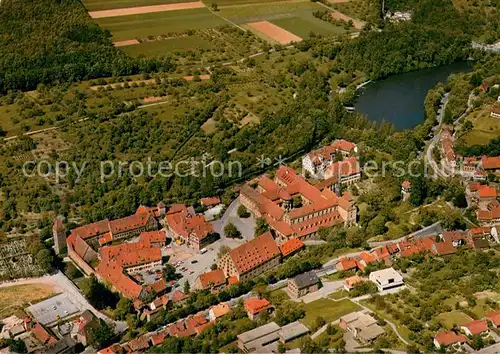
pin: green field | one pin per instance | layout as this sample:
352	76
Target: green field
169	45
239	2
328	309
266	12
159	23
98	5
486	128
305	23
454	317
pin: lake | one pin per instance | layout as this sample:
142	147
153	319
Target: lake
399	99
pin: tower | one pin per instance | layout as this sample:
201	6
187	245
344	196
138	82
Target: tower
59	235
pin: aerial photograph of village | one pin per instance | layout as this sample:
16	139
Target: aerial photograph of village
249	176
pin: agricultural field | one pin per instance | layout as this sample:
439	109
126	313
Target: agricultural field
366	10
266	11
159	23
161	47
304	23
100	5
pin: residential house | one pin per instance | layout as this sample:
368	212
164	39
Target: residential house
187	227
218	311
491	164
214	281
255	307
83	325
494	318
210	202
477	238
345	264
386	279
351	282
303	284
138	344
456	238
405	190
251	259
158	337
477	327
443	248
363	326
112	349
446	338
319	206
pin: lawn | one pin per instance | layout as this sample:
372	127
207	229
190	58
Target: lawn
159	23
155	48
453	317
266	12
339	294
485	129
328	309
238	2
305	23
13	297
98	5
402	330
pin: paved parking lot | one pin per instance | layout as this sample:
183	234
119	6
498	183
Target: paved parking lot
52	310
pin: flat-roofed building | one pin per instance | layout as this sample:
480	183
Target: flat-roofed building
363	326
257	338
386	279
292	331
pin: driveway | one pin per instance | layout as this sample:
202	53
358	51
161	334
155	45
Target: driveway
245	225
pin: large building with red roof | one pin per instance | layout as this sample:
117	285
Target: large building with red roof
188	227
84	241
118	263
274	201
316	162
251	259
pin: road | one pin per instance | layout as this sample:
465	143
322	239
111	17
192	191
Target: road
435	139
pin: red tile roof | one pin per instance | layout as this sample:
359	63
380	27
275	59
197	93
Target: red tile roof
255	305
343	145
232	280
346	168
220	310
492	213
443	248
477	327
490	163
346	264
179	296
212	279
474	186
351	281
158	338
446	338
210	201
494	317
487	192
254	253
150	237
406	184
42	334
367	257
381	253
115	259
140	343
183	222
291	246
112	349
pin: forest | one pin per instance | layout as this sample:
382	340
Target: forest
59	43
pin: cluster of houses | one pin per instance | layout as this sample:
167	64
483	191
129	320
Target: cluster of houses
455	340
38	338
444	244
294	208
